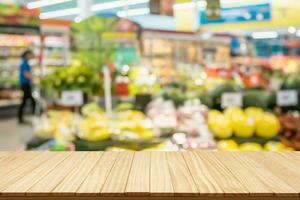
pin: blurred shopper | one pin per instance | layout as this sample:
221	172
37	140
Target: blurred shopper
25	77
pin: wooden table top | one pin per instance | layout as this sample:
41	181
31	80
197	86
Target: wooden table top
149	175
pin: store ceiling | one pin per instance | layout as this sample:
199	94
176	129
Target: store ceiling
73	4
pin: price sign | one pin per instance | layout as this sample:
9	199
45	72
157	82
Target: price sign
231	99
72	98
287	98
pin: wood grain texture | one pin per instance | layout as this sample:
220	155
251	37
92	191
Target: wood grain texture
195	175
24	183
93	184
15	160
77	175
116	181
242	174
49	182
278	186
225	179
183	183
204	181
138	183
282	170
23	169
160	179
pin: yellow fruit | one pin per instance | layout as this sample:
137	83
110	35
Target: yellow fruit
243	126
227	145
273	146
132	115
268	126
233	112
255	113
93	130
212	115
250	146
254	110
221	127
147	134
276	146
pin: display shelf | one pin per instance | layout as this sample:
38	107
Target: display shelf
150	175
9	102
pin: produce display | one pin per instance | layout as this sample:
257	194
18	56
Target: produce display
187	114
249	129
290	130
74	77
95	130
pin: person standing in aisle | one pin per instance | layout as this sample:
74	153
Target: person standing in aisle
25	77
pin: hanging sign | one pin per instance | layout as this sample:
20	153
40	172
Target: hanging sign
230	99
213	9
259	12
287	98
72	98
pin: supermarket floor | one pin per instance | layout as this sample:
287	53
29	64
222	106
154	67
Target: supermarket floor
12	135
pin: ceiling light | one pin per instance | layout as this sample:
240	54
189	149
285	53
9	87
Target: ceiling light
200	5
43	3
117	4
133	12
60	13
292	30
264	35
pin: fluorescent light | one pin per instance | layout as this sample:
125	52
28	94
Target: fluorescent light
43	3
292	30
200	4
60	13
116	4
133	12
95	7
264	35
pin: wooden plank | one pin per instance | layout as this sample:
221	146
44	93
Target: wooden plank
10	178
293	157
5	154
93	183
24	183
204	181
243	175
116	181
278	186
151	175
45	186
15	160
77	175
183	183
160	179
152	198
138	183
285	170
225	179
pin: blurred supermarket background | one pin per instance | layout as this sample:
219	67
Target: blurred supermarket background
152	74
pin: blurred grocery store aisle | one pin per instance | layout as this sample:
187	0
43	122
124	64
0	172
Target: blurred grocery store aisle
12	135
